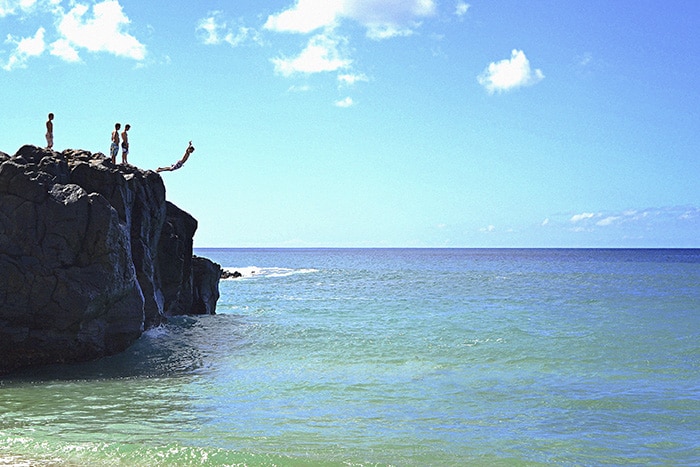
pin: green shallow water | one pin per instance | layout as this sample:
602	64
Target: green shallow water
392	357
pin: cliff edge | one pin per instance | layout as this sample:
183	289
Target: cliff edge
91	255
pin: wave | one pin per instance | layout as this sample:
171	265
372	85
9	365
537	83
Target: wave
255	271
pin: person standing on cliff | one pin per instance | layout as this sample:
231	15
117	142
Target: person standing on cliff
181	162
125	143
49	132
114	148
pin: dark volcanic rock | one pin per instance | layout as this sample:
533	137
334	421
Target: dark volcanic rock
205	291
91	254
230	275
175	260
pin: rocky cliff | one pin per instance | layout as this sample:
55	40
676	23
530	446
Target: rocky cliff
91	255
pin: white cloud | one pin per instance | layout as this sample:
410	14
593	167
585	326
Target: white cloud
104	31
305	16
382	18
321	54
388	11
25	48
509	74
607	221
487	229
96	27
347	102
461	8
580	217
63	49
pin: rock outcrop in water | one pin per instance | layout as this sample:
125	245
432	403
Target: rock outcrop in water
91	255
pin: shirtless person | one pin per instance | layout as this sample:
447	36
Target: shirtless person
49	132
125	143
114	147
181	162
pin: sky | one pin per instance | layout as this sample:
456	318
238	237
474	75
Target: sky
380	123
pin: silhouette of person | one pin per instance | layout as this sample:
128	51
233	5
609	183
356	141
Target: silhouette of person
49	132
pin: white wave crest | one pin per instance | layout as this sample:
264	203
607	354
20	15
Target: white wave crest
156	332
254	271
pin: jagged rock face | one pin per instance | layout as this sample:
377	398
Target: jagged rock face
175	253
81	256
139	199
205	290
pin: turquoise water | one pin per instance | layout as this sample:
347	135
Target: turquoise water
392	357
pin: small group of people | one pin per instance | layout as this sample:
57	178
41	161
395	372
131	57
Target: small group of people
114	146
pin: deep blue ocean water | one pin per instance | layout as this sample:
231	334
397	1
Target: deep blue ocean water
392	357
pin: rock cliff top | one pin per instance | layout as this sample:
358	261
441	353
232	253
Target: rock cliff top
91	255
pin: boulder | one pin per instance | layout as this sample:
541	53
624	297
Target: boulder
230	275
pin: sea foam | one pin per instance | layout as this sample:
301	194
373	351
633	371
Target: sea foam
255	271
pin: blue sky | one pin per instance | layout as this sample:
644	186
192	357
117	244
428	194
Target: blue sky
399	123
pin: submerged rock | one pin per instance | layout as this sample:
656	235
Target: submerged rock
91	254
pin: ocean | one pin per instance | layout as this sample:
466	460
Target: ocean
405	357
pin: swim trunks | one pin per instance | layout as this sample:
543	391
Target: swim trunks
49	140
125	150
177	165
114	150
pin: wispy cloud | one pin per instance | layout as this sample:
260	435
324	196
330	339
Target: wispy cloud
509	74
24	49
461	8
585	59
211	30
15	7
583	216
347	102
663	225
299	88
349	79
215	29
608	221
